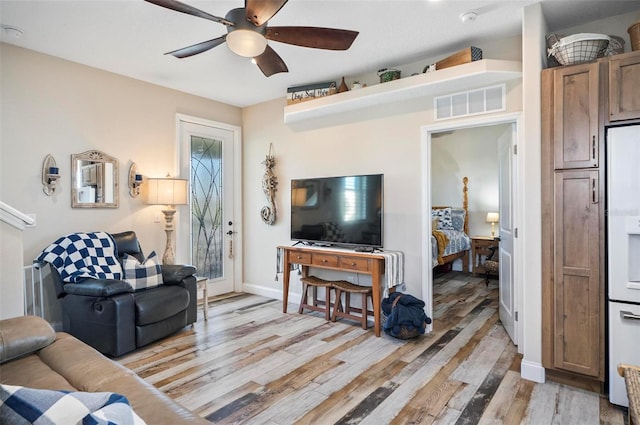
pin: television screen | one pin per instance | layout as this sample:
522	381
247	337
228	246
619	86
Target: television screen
345	210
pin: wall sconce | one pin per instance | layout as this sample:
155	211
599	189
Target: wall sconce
168	191
135	181
493	218
50	175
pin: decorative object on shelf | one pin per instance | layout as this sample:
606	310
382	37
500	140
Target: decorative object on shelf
170	192
470	54
343	86
387	75
135	180
269	187
356	85
577	48
50	175
94	180
310	91
634	35
493	218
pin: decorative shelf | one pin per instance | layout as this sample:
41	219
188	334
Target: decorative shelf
449	80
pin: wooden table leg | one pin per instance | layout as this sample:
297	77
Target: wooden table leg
376	284
285	280
202	283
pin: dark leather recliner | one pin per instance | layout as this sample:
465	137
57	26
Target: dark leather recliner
114	319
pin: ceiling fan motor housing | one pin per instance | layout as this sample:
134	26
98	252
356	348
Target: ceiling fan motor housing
244	38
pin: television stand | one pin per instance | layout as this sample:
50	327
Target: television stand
341	260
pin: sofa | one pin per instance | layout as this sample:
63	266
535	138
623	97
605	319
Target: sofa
103	307
33	355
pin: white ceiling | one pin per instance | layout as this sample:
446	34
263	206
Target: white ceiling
130	37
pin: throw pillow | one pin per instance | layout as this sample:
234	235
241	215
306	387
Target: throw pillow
434	223
457	218
147	274
444	217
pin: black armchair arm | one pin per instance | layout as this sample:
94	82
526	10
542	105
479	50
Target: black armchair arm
98	287
174	273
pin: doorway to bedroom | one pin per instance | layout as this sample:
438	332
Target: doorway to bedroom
484	153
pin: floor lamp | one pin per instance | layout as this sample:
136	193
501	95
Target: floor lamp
170	192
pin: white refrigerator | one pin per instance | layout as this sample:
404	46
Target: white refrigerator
623	254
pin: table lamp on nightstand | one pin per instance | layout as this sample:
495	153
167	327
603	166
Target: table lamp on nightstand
493	218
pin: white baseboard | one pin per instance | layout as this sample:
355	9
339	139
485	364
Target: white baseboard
269	292
532	371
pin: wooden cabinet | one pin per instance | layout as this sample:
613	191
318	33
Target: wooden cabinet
577	334
573	315
624	87
575	109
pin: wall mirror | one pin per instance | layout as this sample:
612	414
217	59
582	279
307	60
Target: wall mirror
94	180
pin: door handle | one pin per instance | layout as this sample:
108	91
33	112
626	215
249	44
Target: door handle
594	191
629	315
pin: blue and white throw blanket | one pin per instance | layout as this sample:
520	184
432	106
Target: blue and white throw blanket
20	405
83	255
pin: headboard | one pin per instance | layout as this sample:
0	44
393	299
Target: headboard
465	204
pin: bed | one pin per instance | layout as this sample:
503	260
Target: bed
450	232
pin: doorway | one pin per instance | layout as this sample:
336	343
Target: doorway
495	170
209	157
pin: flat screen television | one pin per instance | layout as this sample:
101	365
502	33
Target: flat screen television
343	211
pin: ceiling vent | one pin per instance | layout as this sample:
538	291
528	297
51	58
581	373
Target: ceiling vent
472	102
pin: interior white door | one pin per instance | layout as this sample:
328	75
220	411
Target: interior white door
207	158
507	173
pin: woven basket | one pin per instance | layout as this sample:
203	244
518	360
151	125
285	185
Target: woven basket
579	48
634	35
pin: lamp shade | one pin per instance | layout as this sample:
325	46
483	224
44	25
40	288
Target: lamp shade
167	191
298	197
493	217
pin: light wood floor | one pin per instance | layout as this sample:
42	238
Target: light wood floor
252	364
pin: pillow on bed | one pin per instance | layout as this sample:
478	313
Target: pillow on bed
444	218
457	218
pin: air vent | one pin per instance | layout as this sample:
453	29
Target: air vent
472	102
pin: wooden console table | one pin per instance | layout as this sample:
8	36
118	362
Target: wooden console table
372	264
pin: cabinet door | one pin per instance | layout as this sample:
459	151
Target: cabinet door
577	328
624	87
575	131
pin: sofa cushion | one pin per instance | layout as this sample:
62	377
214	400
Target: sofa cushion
142	275
162	302
20	336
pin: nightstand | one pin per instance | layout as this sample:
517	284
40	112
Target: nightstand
480	248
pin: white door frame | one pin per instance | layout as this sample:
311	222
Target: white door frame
182	234
425	143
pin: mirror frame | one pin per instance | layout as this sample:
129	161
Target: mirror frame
94	156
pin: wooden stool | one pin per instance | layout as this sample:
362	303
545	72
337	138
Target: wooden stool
349	288
316	304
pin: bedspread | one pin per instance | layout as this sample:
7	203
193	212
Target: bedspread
458	242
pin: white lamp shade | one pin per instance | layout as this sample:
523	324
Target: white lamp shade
246	43
167	191
493	217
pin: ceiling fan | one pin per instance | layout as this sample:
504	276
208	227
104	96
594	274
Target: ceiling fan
247	33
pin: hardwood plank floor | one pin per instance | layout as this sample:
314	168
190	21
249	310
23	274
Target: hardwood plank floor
252	364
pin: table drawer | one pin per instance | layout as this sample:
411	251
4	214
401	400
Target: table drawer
325	260
354	263
298	257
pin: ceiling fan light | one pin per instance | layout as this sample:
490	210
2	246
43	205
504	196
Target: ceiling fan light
246	43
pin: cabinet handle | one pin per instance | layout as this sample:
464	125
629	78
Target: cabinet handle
594	191
629	315
353	264
593	147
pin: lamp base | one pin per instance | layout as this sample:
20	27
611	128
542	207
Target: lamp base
168	257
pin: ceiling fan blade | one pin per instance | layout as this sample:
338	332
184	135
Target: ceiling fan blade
185	52
270	62
318	38
190	10
260	11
